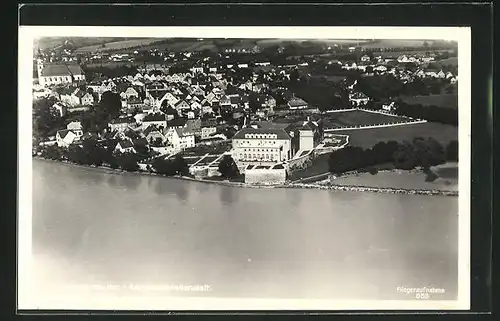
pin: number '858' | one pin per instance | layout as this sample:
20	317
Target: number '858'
422	296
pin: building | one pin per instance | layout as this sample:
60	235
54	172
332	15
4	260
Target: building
65	137
297	103
358	98
308	136
52	74
208	128
122	124
154	134
158	119
389	107
182	139
75	127
125	146
261	146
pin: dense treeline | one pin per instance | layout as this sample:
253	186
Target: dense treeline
92	152
420	152
93	73
320	94
171	167
386	86
436	114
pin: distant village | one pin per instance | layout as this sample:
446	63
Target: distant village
211	111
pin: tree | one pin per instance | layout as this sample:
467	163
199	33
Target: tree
77	155
45	119
180	166
228	168
52	152
110	104
127	162
163	166
405	156
452	151
253	102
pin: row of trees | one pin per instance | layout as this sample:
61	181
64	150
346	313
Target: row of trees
94	72
91	153
171	167
385	86
437	114
421	152
108	108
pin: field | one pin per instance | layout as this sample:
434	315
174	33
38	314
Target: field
444	100
207	160
52	42
319	166
366	138
452	61
401	179
116	45
400	43
190	160
358	117
395	54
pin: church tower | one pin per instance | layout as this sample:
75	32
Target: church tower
39	66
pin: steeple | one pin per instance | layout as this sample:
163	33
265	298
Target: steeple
39	67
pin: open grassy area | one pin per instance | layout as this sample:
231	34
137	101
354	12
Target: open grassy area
52	42
366	138
319	166
414	179
444	100
452	61
359	117
207	160
395	54
123	44
400	43
191	160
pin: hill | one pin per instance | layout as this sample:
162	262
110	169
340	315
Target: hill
45	43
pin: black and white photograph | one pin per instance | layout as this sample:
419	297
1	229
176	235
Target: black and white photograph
244	168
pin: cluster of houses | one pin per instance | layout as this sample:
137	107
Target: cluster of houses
379	65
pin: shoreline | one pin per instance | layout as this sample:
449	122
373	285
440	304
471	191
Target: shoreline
290	185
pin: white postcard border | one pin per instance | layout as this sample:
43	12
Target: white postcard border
27	34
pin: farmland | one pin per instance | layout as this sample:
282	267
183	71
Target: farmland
359	117
406	43
444	100
395	54
53	42
452	61
117	45
367	138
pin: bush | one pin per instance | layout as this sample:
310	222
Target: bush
430	176
127	162
373	170
228	168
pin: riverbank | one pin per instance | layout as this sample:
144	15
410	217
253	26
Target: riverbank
322	186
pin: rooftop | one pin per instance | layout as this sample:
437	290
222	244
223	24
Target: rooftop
280	133
61	70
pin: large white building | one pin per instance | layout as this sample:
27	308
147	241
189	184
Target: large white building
261	146
52	74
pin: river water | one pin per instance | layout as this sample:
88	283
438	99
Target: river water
93	227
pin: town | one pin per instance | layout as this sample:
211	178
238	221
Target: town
247	111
